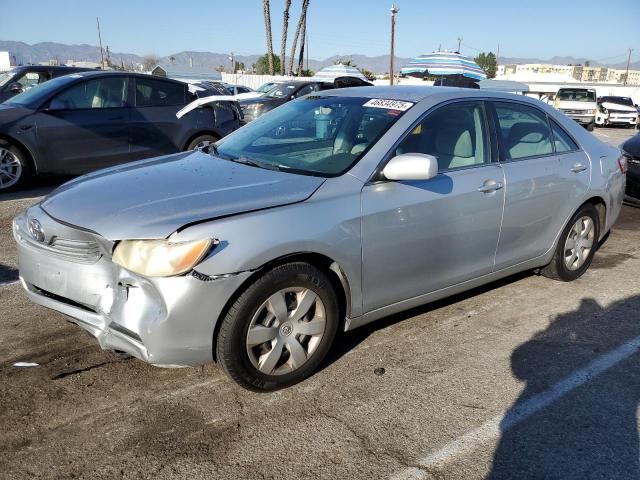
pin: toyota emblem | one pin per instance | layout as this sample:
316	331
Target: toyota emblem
35	230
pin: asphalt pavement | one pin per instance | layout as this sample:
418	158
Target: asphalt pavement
523	378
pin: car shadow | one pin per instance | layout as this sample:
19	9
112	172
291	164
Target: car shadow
347	341
592	355
8	274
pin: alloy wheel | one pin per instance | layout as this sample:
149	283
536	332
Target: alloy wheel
579	243
286	330
10	168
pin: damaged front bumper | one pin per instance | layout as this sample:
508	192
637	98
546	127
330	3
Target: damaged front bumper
163	321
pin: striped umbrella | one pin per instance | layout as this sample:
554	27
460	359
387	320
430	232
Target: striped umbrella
444	63
334	71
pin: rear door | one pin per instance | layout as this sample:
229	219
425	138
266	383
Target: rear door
547	175
155	130
422	236
85	127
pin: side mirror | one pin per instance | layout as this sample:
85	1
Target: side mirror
411	166
15	87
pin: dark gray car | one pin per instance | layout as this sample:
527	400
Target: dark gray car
85	121
19	79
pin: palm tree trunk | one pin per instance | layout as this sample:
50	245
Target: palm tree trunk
283	45
303	37
303	13
267	27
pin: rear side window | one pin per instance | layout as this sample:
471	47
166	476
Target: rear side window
561	139
157	93
524	130
100	92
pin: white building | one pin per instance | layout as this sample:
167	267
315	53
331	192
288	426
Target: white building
539	72
5	63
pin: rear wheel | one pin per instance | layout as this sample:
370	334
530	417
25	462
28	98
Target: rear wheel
202	141
576	246
280	329
15	168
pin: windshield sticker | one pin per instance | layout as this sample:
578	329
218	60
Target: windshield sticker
388	104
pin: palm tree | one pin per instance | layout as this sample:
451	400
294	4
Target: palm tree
303	14
285	26
303	36
267	27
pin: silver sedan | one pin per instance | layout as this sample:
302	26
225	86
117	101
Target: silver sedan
325	214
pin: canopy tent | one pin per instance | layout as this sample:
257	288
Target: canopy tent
444	64
332	72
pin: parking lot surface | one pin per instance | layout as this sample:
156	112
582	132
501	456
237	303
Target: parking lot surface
524	378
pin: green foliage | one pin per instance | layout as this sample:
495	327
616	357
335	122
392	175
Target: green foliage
262	65
348	62
307	73
488	63
367	73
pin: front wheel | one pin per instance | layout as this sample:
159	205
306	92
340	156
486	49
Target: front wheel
576	246
202	141
590	127
15	169
280	328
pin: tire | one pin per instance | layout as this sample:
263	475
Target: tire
562	266
202	141
590	127
15	167
264	360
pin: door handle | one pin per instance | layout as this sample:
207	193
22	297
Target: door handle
490	186
578	167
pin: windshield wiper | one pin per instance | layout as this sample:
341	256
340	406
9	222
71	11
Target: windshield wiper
255	163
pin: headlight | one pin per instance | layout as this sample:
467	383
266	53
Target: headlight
160	258
593	111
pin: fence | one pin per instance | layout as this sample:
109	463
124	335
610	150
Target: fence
250	80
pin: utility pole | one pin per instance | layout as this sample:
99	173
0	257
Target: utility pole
459	44
233	63
439	47
100	40
498	54
394	11
626	76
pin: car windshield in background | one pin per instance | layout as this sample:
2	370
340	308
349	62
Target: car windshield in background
5	77
315	135
40	92
280	91
265	87
619	100
577	95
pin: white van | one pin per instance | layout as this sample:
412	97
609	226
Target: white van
579	104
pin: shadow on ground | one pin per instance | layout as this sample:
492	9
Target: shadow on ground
592	431
8	274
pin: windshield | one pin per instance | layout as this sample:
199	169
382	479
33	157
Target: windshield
41	92
265	87
314	135
5	77
619	100
282	90
577	95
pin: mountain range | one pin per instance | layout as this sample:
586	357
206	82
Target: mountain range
43	52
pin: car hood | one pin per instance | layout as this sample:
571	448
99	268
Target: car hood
619	106
154	198
12	113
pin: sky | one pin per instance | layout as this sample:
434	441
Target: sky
535	28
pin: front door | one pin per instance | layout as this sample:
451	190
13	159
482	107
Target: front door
546	175
86	126
422	236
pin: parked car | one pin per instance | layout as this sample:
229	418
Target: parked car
85	121
631	149
326	214
19	79
240	91
261	90
579	104
617	111
287	91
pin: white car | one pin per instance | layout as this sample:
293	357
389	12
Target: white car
579	104
616	111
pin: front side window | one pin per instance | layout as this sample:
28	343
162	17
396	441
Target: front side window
561	139
524	130
282	90
314	135
455	134
307	89
104	92
31	79
157	93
